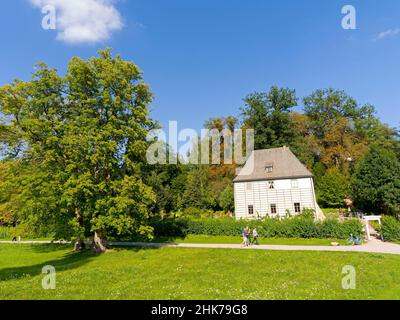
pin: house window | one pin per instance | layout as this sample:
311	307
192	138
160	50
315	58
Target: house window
295	184
297	207
249	186
251	210
271	184
273	209
269	168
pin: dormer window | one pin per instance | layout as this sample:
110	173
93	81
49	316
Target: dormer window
269	168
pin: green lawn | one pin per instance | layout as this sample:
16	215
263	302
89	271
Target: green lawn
184	273
238	240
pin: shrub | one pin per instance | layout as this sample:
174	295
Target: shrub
196	213
5	232
333	188
24	231
170	227
332	228
226	199
302	226
390	228
215	227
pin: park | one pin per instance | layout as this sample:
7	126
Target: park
82	207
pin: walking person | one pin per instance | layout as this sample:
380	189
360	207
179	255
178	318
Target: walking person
255	237
248	233
245	238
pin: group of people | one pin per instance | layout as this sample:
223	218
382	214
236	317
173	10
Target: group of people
250	237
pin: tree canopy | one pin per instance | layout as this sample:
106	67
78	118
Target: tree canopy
376	181
83	137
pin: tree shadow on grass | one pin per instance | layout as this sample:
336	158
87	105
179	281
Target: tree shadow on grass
163	239
48	248
70	260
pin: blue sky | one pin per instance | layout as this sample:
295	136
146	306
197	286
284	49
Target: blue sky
201	57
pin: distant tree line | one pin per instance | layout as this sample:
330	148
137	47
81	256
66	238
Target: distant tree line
351	153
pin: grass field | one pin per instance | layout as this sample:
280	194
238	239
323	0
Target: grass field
171	273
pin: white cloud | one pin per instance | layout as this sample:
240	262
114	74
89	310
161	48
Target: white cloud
387	33
84	21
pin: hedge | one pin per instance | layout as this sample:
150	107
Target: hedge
390	228
297	227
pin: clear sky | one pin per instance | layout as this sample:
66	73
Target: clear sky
201	57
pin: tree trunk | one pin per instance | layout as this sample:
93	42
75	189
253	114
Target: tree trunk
99	243
79	244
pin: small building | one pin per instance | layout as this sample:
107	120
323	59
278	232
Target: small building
272	183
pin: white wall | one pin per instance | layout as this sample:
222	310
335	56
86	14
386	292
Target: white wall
284	195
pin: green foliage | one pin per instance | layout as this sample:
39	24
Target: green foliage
297	227
199	213
5	232
226	199
333	188
268	114
197	193
307	213
390	228
318	171
24	231
168	183
376	181
326	106
84	142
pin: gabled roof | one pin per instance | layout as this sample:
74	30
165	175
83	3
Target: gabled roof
285	166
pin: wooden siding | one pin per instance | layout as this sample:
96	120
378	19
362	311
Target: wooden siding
283	195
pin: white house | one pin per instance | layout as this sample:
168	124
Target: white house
271	183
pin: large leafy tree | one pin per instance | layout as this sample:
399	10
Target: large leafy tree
376	181
197	192
305	145
226	199
220	176
333	188
83	138
10	203
168	182
342	129
325	107
269	115
222	125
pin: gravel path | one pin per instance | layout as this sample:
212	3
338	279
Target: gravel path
374	246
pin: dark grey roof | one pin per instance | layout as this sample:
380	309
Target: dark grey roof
285	166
